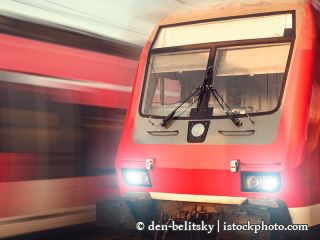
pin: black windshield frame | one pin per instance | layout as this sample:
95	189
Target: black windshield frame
288	37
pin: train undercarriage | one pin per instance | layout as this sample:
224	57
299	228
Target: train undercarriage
194	220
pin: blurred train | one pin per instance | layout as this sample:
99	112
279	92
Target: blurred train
224	120
63	99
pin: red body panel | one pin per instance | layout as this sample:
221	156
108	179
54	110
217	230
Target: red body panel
23	55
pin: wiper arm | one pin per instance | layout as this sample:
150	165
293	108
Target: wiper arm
168	118
221	102
204	90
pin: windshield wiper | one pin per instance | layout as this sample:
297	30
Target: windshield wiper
205	93
204	90
221	102
168	118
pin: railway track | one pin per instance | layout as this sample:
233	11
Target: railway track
92	232
78	232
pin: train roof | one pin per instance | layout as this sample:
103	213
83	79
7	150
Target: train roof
235	8
230	8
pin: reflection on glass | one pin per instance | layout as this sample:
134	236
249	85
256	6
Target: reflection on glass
269	26
171	79
248	77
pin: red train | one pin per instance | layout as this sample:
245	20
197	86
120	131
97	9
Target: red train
224	119
63	98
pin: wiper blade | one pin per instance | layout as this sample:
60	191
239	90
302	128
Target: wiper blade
222	103
204	90
168	118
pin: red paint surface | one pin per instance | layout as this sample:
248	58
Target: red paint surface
35	57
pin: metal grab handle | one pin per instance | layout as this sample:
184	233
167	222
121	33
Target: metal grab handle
237	133
164	132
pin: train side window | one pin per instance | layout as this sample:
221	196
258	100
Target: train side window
45	139
41	134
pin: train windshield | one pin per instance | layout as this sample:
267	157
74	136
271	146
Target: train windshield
249	76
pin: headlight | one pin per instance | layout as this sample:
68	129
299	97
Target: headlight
136	177
260	182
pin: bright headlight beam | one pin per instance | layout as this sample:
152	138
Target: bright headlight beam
260	182
270	183
136	177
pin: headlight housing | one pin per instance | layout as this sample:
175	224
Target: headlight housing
136	177
260	182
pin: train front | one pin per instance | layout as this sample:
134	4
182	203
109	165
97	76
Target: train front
217	123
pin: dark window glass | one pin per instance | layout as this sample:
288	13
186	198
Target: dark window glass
45	139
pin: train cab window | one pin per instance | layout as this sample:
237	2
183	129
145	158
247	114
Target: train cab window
250	77
168	91
249	54
268	26
171	78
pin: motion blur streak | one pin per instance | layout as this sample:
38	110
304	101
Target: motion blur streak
59	83
61	116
